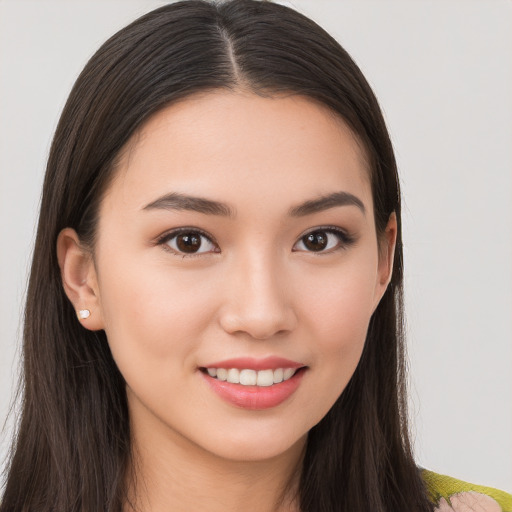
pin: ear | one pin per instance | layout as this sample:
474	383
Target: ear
79	279
387	244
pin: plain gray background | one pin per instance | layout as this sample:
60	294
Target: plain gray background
443	74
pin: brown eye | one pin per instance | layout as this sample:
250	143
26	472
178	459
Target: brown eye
323	240
316	241
190	242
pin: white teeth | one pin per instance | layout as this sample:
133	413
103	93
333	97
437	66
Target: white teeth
278	375
287	373
265	378
247	377
222	374
233	376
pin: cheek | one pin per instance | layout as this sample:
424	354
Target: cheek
340	310
151	314
338	313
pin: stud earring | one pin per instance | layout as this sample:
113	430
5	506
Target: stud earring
83	314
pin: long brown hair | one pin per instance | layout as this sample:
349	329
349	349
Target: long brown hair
72	448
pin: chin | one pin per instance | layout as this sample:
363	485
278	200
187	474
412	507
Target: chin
257	448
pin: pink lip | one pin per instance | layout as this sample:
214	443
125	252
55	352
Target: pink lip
267	363
254	397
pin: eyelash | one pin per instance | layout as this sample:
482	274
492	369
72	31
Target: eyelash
344	240
167	237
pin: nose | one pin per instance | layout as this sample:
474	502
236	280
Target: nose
258	301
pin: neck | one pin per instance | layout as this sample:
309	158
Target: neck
168	472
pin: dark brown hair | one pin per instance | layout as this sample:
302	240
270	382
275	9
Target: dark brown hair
72	448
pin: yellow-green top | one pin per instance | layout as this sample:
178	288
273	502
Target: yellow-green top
442	486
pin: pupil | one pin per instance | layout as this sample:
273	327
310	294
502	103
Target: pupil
188	243
316	241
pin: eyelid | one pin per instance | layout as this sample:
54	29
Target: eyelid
169	235
345	239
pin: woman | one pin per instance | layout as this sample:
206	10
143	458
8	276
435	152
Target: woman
214	310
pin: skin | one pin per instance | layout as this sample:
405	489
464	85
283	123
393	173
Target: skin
255	290
469	502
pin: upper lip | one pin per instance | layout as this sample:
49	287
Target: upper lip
251	363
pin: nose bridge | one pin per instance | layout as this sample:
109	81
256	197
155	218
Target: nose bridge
258	302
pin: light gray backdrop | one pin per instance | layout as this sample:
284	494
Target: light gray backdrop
443	74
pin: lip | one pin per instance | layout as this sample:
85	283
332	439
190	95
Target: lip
251	363
254	397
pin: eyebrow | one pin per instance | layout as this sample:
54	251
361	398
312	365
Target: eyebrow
327	202
177	201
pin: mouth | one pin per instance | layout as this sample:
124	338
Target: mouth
254	384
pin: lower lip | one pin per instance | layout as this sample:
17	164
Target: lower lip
255	397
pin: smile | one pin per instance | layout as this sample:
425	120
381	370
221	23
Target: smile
249	377
254	384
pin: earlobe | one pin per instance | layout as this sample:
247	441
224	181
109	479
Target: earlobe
79	279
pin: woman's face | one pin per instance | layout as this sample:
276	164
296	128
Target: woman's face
238	238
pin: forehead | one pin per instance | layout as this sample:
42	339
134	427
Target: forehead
236	143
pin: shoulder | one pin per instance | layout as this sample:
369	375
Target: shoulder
450	494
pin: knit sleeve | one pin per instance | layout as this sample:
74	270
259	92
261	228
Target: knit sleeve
451	494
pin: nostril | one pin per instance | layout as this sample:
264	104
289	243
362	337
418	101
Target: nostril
259	327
